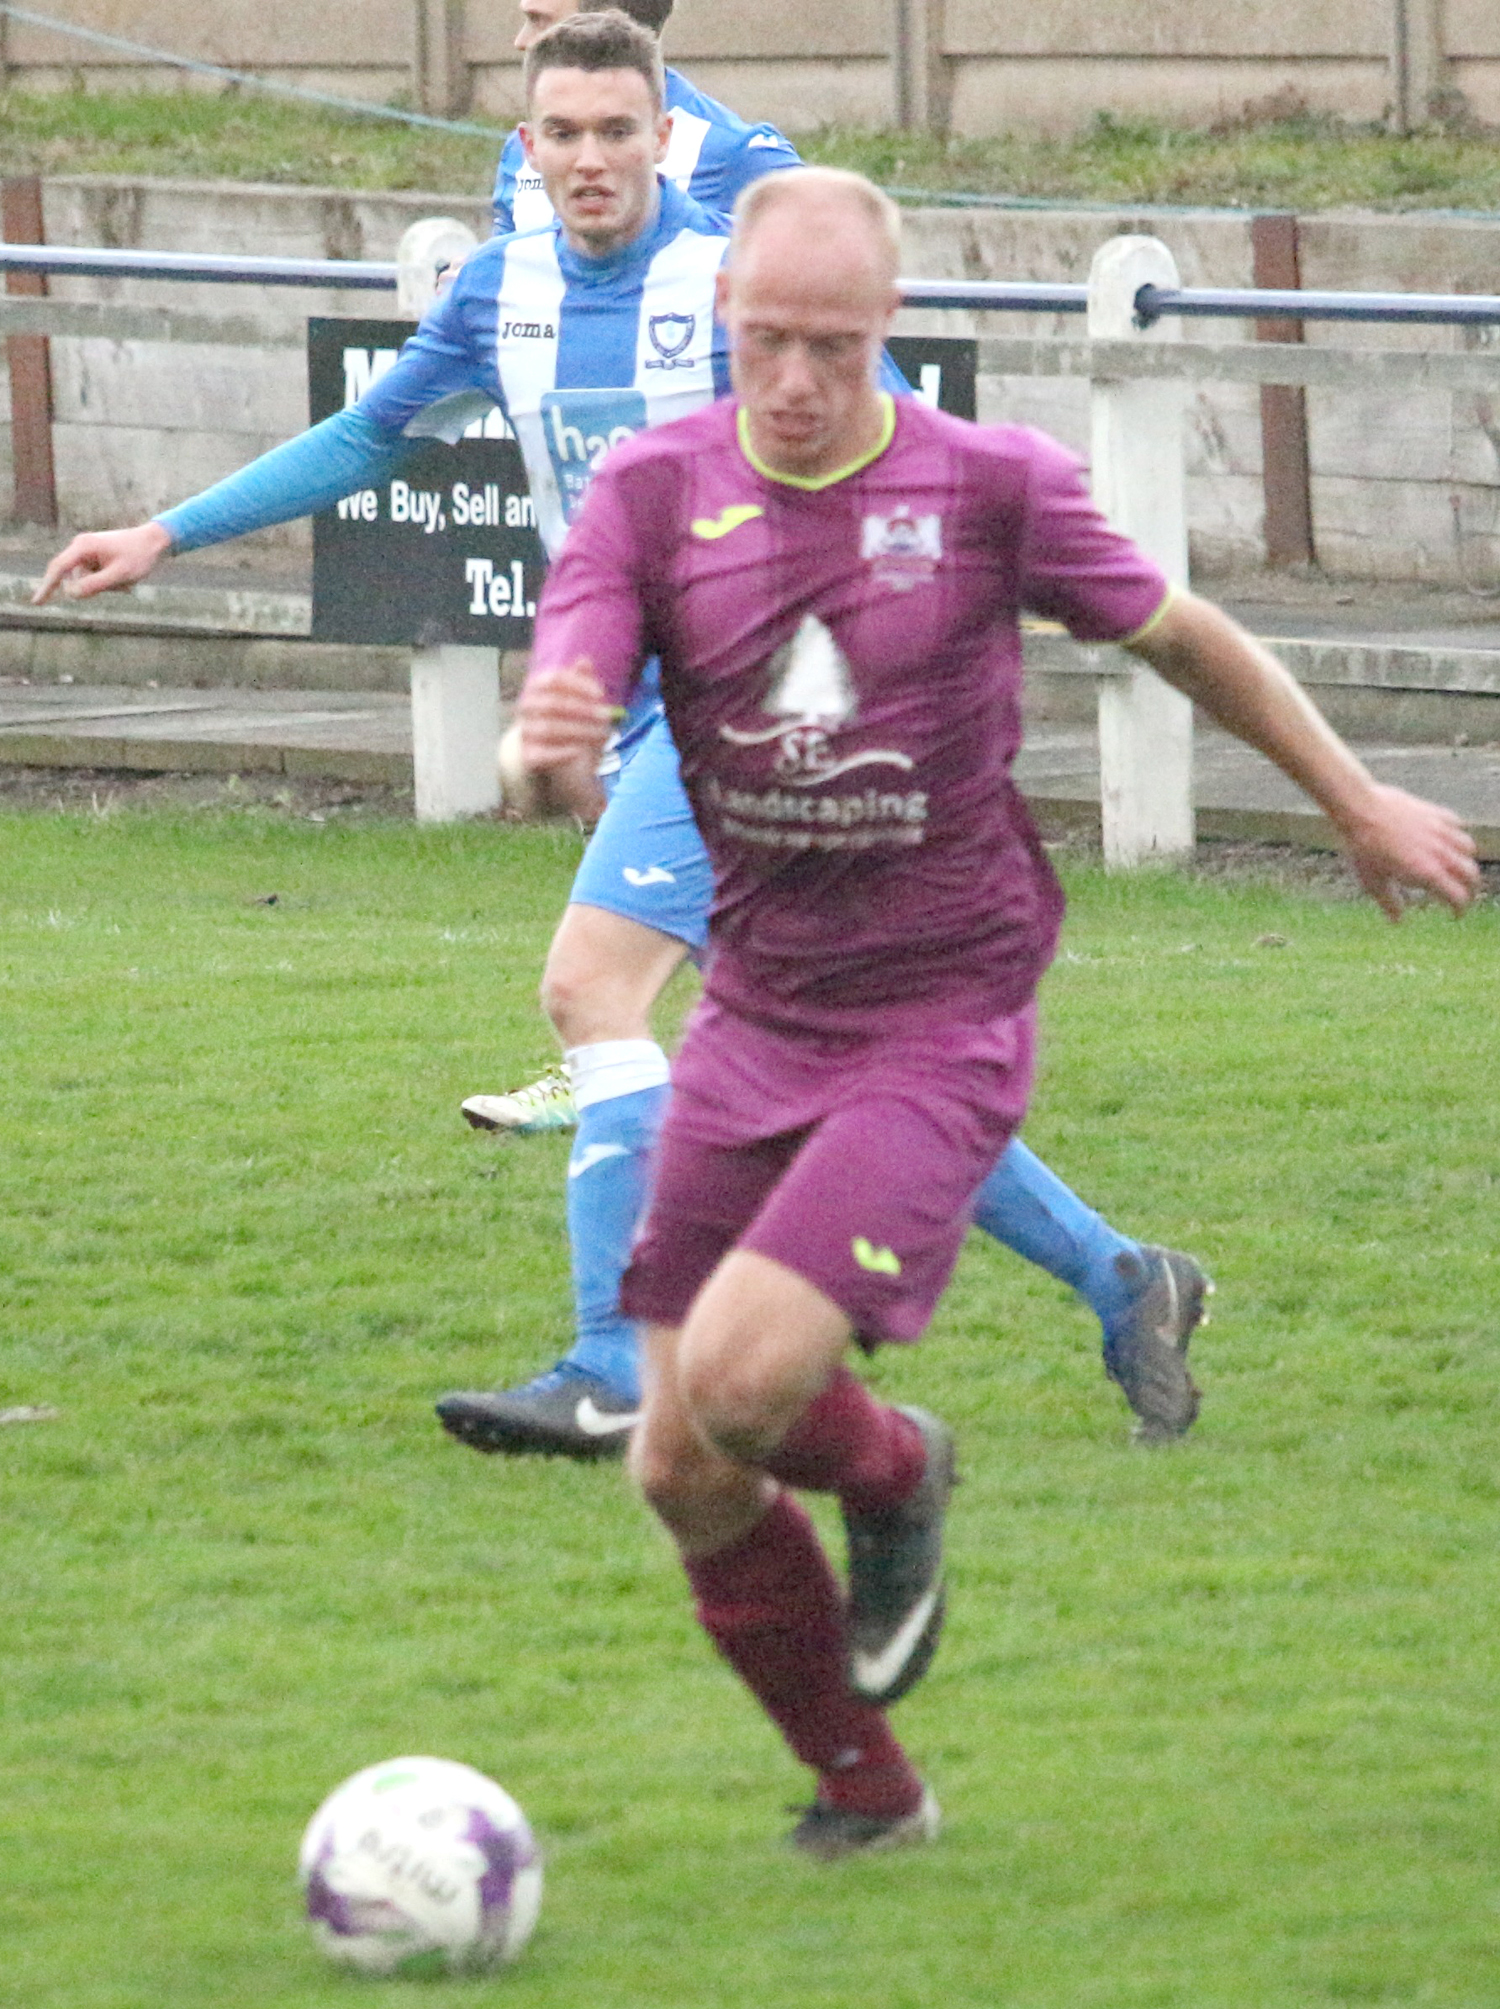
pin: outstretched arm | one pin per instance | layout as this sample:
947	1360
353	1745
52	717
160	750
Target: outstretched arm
309	473
1394	840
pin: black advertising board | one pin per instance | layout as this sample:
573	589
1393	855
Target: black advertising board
447	550
940	369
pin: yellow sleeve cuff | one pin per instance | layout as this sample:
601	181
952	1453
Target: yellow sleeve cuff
1140	634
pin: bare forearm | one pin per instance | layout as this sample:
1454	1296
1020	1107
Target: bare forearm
1240	684
1394	840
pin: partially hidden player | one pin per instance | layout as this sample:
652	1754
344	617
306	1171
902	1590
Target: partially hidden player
638	909
712	153
842	676
586	331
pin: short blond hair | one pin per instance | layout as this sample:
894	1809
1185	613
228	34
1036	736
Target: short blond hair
797	184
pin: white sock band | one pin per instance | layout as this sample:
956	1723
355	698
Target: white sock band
611	1068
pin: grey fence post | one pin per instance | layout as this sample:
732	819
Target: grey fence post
919	67
1140	483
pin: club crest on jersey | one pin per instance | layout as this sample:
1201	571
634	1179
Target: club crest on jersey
670	335
811	697
904	550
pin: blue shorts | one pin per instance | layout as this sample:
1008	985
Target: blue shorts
645	860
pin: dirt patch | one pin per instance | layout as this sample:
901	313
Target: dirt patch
1286	867
106	791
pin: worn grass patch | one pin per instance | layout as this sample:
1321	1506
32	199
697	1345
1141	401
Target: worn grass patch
1214	1728
1298	162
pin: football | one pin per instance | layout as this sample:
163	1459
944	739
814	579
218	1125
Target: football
420	1866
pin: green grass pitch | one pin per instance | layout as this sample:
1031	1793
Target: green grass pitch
1214	1727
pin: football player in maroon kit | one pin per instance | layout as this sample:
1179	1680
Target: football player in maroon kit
832	582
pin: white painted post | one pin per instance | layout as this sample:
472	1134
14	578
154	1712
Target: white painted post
455	692
1140	483
426	249
455	732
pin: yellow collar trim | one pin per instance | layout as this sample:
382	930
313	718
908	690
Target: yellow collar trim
817	481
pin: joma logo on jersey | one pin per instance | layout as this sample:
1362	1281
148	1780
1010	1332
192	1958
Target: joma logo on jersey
527	331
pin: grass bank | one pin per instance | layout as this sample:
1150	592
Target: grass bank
1293	162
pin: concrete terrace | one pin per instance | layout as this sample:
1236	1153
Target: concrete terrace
208	670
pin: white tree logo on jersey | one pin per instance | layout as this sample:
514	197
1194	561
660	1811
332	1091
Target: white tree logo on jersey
811	697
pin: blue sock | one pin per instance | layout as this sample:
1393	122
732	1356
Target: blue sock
1030	1210
607	1179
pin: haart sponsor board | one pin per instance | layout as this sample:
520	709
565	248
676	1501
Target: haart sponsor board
447	549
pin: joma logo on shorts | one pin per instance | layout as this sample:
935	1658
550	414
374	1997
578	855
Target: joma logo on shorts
528	331
883	1262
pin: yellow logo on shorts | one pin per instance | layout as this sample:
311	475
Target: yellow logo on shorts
884	1262
712	528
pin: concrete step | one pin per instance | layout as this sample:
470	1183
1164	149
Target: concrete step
1402	664
195	624
1239	794
350	736
1415	688
335	735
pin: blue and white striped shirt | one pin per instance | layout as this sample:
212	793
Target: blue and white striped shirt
713	154
578	352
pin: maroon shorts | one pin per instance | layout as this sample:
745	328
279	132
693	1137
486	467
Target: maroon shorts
866	1193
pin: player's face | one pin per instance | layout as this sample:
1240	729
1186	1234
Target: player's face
807	307
537	16
596	139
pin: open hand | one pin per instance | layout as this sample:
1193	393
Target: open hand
1402	841
103	561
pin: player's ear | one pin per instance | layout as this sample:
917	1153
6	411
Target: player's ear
663	136
721	292
524	133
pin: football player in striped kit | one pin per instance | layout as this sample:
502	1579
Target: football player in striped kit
595	327
713	153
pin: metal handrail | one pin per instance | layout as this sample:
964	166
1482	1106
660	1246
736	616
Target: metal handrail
983	296
214	267
995	295
1455	310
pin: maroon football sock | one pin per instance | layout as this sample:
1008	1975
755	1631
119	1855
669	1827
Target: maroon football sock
771	1605
847	1443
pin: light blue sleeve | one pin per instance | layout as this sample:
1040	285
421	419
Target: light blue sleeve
891	378
760	151
312	472
502	201
445	375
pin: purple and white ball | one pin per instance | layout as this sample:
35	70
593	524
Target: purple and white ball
421	1864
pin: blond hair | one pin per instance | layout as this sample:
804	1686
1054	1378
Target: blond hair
800	185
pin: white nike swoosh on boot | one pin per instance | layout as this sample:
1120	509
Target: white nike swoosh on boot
874	1672
595	1423
592	1155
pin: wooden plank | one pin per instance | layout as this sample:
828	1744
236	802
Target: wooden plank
30	363
112	321
1245	363
1283	407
